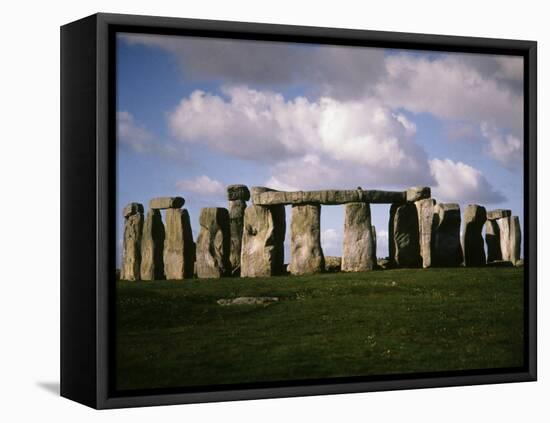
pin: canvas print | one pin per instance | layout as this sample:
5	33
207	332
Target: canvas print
294	212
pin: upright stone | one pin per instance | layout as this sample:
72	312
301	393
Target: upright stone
131	244
406	237
152	247
213	243
359	246
510	238
373	236
238	195
447	249
425	210
472	239
262	252
306	254
391	238
515	241
492	239
179	248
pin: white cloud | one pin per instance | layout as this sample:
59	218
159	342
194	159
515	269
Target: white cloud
202	185
458	182
133	134
506	148
338	141
331	242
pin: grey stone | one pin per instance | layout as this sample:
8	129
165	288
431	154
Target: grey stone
406	236
333	264
131	244
306	254
498	214
425	210
238	192
132	208
373	236
152	247
359	245
391	238
236	224
179	248
262	252
384	264
447	250
166	203
492	239
213	243
265	196
515	242
510	238
472	240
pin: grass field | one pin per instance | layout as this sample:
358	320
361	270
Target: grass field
173	333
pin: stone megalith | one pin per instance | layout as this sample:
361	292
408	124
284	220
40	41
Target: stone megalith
213	243
166	203
373	236
406	236
492	239
262	252
152	247
306	254
359	245
510	238
425	210
472	240
447	251
391	239
238	195
131	244
179	248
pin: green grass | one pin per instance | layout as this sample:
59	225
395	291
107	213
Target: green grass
174	334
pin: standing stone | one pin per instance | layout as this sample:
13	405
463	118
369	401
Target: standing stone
373	236
391	239
131	244
406	237
425	210
213	243
179	249
166	203
510	238
306	254
237	195
492	239
152	247
447	250
359	245
262	252
472	239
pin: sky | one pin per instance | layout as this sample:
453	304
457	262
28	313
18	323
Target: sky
197	114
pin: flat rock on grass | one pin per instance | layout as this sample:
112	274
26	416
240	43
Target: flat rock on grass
247	301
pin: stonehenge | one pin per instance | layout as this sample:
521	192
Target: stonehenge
247	240
131	244
213	243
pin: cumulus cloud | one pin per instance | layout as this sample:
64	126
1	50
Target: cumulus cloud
202	185
458	182
307	140
506	148
331	242
133	134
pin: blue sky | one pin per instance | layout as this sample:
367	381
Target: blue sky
196	114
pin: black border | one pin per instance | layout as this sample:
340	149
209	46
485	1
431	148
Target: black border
105	107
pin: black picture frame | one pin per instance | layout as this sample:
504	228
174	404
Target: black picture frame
88	158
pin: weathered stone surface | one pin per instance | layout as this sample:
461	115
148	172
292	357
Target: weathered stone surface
306	254
359	245
262	252
391	238
179	248
510	238
236	225
266	196
132	208
405	236
472	240
131	244
238	192
166	203
418	193
492	239
373	236
498	214
425	210
213	243
384	264
152	247
447	251
333	264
